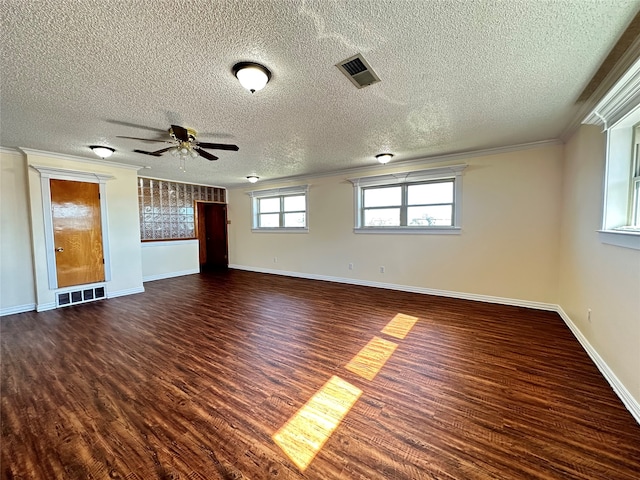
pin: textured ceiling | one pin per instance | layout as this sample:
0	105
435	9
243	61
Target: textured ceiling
456	76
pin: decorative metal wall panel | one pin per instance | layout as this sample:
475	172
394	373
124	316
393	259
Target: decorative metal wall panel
167	209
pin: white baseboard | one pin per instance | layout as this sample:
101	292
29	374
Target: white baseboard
28	307
627	399
618	387
405	288
122	293
43	307
162	276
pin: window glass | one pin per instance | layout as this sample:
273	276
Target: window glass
382	217
295	220
269	205
430	193
294	203
269	220
279	209
434	215
383	197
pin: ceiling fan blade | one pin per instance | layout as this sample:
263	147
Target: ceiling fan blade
143	139
157	153
180	133
135	125
205	154
219	146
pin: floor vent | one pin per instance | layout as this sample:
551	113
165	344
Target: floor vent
84	295
358	71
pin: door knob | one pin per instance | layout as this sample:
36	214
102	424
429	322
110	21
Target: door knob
59	249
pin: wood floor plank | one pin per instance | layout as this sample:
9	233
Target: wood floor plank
191	380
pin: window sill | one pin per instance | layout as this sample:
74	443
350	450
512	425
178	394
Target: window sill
167	242
280	230
410	230
621	238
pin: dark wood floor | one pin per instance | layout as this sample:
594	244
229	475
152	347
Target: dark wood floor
191	380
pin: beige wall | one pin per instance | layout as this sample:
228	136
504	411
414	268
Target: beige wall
593	275
122	220
17	290
508	247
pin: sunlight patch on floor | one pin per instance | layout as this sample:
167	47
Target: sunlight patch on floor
400	325
302	437
368	362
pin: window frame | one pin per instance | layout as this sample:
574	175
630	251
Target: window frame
618	113
451	173
281	193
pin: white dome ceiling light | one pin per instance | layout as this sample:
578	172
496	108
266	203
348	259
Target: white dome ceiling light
102	152
384	157
252	76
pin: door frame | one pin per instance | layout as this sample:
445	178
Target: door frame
47	173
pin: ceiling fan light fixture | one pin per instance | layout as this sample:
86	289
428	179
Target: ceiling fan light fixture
102	152
253	178
384	158
252	76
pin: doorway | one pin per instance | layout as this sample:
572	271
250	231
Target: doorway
77	232
212	236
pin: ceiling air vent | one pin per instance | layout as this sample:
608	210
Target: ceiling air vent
358	71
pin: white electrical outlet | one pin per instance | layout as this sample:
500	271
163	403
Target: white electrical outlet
589	315
351	266
381	269
275	259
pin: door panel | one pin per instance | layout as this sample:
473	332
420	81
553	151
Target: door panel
212	235
77	232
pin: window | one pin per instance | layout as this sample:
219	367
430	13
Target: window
167	208
619	114
635	182
426	201
280	209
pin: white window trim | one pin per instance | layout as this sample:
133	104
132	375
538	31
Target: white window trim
617	113
416	176
276	192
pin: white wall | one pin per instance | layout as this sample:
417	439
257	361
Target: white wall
508	247
169	259
593	275
17	290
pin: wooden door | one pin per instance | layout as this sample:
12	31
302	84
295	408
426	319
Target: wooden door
212	234
77	232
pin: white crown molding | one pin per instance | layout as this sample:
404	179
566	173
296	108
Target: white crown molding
10	151
622	99
61	156
623	65
449	157
68	174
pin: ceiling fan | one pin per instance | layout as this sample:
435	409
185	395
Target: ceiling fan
184	144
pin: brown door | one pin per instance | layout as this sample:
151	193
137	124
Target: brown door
212	234
77	232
